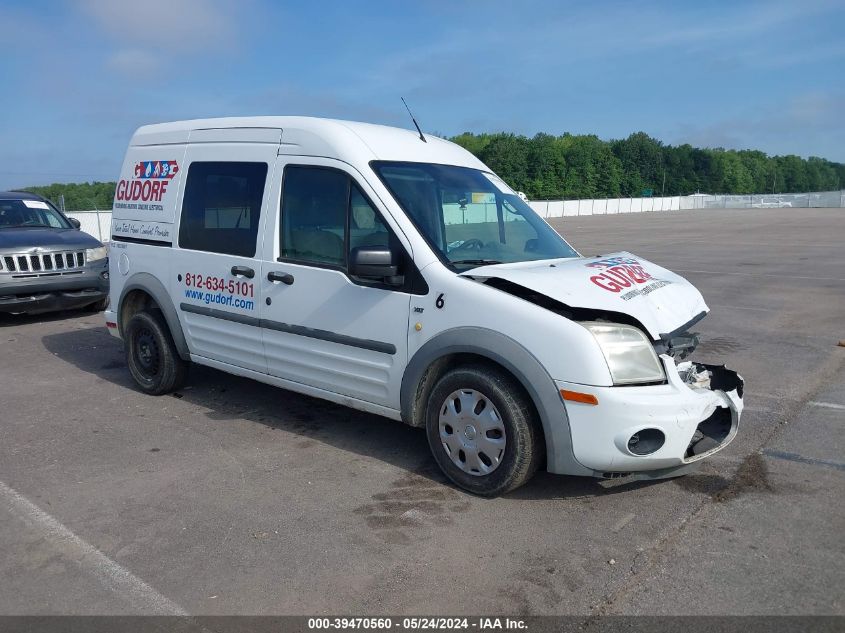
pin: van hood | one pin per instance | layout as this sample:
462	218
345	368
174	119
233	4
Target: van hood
663	302
24	238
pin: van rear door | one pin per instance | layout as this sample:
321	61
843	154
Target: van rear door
214	279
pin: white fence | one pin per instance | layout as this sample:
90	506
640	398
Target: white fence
608	206
98	223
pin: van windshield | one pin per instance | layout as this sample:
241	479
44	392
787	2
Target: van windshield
470	217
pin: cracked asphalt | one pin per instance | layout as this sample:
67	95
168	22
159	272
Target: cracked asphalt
233	497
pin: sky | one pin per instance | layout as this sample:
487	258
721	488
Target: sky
79	76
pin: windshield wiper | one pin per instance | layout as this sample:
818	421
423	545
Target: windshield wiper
23	226
478	262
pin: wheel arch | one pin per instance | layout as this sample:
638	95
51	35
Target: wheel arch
464	343
143	290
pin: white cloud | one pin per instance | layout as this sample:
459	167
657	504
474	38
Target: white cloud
185	25
806	120
133	60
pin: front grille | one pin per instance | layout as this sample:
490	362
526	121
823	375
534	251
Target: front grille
41	263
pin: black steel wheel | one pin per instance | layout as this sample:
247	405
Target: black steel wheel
153	360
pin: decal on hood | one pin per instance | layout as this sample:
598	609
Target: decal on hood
619	273
623	283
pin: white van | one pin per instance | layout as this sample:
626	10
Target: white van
396	274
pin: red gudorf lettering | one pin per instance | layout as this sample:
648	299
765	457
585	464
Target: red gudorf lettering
146	190
617	278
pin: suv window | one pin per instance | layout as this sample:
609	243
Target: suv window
222	207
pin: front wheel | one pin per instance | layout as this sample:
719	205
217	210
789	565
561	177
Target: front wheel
151	354
483	430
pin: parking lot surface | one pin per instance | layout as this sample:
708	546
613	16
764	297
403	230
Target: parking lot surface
233	497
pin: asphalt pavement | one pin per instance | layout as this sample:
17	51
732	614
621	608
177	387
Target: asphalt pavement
233	497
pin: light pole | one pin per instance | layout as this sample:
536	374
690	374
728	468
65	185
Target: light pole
97	212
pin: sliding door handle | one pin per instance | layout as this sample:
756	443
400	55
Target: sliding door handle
243	271
285	278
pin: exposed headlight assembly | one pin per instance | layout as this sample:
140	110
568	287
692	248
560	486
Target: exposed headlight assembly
628	352
96	254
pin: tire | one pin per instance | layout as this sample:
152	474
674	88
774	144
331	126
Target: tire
151	354
493	447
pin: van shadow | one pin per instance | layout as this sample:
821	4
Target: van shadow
222	397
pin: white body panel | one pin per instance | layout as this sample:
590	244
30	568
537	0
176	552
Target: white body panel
566	349
600	433
329	336
201	279
328	301
620	282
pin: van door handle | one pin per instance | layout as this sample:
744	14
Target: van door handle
243	271
285	278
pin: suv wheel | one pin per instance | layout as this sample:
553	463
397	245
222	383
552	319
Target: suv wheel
151	354
482	430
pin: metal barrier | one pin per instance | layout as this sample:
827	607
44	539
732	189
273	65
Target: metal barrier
98	223
609	206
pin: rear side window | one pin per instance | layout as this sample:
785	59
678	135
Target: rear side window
222	206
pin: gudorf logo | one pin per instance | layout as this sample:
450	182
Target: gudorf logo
619	273
150	181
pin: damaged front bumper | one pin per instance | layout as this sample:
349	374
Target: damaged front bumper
655	431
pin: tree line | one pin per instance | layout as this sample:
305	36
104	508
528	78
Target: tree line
548	167
78	196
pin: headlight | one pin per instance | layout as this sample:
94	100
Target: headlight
629	354
95	254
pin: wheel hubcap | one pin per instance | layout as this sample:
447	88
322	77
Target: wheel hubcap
146	351
472	432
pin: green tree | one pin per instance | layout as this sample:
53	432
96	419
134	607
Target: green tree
584	166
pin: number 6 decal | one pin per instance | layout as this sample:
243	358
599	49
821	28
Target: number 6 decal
440	303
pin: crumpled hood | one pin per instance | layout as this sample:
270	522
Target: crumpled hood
620	282
22	239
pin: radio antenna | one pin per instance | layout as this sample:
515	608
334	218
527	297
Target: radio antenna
416	125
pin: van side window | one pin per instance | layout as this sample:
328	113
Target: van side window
222	206
314	208
365	225
325	215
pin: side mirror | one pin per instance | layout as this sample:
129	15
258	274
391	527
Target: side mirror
375	263
74	222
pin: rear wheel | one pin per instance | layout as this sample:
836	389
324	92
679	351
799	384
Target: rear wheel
483	430
151	354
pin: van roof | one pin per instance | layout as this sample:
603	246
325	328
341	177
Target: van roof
349	141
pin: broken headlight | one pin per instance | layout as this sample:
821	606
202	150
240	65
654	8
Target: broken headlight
628	352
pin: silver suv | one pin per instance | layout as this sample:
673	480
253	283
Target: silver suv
46	262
